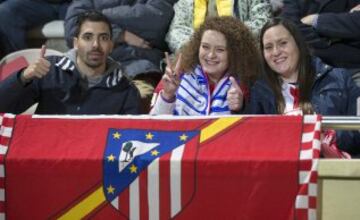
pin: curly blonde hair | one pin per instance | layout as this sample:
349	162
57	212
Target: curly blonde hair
243	54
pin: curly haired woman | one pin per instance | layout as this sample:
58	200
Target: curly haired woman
212	72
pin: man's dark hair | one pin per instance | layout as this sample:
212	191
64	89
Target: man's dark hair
93	16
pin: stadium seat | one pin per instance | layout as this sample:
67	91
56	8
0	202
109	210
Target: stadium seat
52	34
20	59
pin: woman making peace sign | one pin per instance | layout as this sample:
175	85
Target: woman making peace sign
212	72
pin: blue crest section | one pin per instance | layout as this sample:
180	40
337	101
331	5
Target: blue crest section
128	152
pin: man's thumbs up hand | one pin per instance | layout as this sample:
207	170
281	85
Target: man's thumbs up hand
38	69
42	51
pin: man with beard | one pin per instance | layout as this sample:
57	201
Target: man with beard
83	81
139	28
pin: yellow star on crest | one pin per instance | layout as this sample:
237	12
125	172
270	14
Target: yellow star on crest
183	137
116	135
154	153
111	158
110	189
149	136
133	168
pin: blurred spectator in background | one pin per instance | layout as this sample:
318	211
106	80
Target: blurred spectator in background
190	14
297	83
213	71
83	81
331	28
277	6
19	16
139	31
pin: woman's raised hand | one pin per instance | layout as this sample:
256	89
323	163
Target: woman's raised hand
235	96
171	78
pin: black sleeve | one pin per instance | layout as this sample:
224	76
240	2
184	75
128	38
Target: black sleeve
339	25
349	141
131	102
16	97
292	11
257	101
148	20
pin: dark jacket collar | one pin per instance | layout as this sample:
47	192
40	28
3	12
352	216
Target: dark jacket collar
320	68
112	75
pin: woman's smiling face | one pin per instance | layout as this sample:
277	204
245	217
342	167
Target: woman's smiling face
281	52
213	54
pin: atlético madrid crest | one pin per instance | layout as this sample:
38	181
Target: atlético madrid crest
150	174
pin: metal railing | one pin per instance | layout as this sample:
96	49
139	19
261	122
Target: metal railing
341	122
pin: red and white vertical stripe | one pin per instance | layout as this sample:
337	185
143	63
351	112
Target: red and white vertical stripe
305	203
160	191
290	93
6	128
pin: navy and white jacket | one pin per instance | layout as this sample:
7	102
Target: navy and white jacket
64	91
333	93
193	97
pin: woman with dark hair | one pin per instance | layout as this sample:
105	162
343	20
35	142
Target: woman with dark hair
219	55
297	83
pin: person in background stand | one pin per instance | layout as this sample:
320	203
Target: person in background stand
190	14
83	81
139	31
19	16
331	28
277	6
296	83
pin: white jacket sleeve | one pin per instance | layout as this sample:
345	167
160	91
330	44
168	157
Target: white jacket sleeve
162	107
